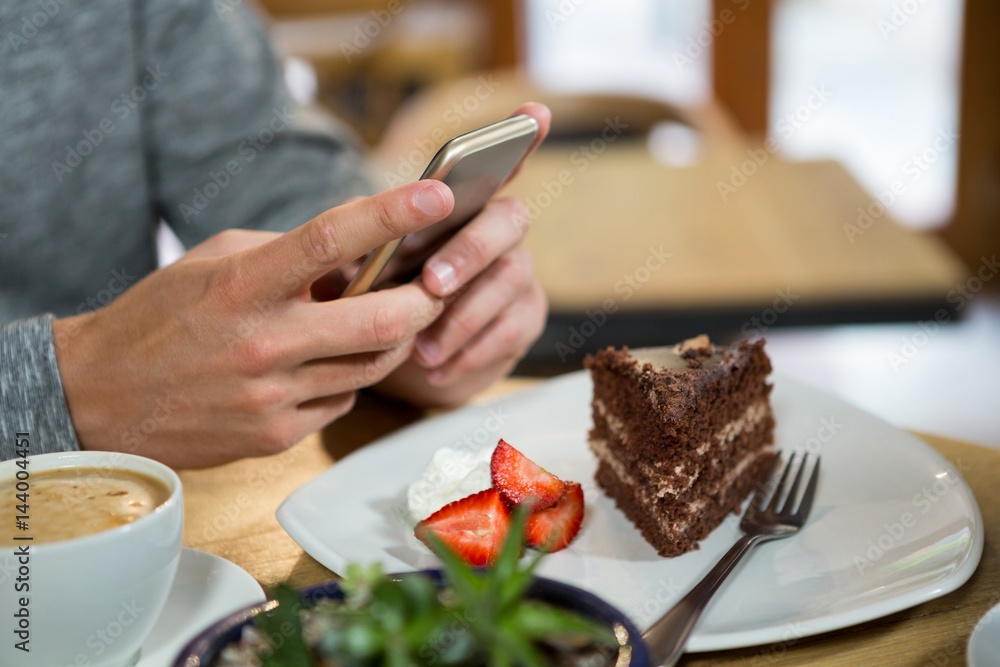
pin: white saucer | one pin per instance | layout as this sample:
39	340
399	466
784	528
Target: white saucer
206	589
984	644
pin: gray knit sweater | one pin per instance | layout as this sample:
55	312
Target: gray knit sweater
113	114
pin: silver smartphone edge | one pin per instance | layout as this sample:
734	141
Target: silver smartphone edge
439	167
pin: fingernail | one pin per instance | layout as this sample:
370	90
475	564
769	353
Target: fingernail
431	201
427	349
445	274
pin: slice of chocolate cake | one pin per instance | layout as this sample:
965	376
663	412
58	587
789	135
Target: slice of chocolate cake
682	435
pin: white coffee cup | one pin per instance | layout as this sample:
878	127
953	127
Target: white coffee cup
91	600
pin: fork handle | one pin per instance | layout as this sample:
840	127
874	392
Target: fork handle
667	637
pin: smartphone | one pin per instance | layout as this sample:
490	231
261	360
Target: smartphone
474	165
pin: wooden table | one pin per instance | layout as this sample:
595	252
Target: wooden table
230	512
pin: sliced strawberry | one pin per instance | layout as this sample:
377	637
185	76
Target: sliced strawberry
554	528
473	527
518	478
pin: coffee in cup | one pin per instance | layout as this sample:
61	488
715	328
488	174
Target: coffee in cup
89	547
67	503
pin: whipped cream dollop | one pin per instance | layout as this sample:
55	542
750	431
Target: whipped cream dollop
452	474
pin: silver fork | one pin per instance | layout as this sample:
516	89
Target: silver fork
667	637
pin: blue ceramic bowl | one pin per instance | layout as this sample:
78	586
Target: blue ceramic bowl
204	648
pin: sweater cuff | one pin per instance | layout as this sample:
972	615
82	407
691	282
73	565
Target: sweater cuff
31	393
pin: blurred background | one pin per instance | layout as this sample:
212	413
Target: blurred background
825	173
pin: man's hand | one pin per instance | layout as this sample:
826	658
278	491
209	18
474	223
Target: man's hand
496	308
221	356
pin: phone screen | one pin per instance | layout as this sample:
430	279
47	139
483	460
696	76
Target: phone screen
474	165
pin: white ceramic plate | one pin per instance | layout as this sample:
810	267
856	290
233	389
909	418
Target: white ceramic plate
893	524
984	643
207	588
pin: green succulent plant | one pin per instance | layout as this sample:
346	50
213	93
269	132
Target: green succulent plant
481	617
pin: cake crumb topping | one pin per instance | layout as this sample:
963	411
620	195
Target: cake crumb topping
693	350
698	346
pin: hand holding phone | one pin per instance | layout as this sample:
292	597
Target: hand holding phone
474	165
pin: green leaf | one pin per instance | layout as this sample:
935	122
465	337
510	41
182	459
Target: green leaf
420	592
513	544
364	640
537	620
507	560
283	629
389	605
516	585
466	582
452	646
499	657
359	582
397	655
517	646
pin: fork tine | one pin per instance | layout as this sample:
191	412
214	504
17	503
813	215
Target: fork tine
807	497
793	492
773	505
765	487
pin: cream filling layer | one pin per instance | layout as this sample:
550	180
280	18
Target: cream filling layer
679	482
677	528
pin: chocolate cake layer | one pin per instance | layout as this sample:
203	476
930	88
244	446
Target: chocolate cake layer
682	435
709	460
687	484
677	528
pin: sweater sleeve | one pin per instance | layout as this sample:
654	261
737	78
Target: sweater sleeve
226	144
31	393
